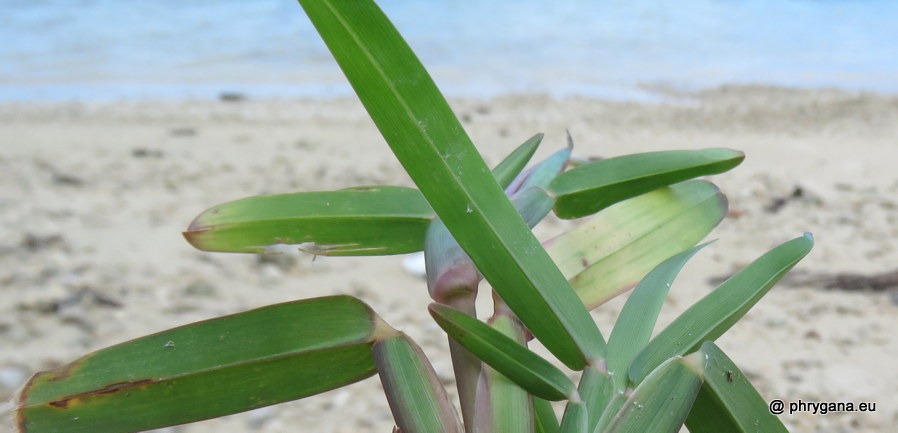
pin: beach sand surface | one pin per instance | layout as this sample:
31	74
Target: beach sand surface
94	197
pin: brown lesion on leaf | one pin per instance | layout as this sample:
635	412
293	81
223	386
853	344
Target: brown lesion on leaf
65	402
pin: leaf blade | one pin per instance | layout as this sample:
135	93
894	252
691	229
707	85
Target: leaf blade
417	398
546	421
711	316
575	419
727	401
592	187
515	162
596	389
207	369
432	146
527	369
614	249
357	221
661	403
636	320
502	405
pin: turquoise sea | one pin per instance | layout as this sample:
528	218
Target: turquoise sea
163	49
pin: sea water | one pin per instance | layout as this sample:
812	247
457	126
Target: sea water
114	49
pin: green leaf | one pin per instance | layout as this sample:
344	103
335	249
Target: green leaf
596	390
502	405
546	421
636	321
575	418
611	251
614	405
206	369
514	163
592	187
507	356
417	398
528	195
661	402
434	149
711	316
542	174
727	402
357	221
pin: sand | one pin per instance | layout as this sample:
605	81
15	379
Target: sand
93	197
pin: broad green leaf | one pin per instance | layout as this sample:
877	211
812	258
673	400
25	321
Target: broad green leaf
614	249
727	402
502	405
711	316
417	398
592	187
375	220
206	369
596	390
514	163
575	418
636	321
437	153
527	369
544	414
661	402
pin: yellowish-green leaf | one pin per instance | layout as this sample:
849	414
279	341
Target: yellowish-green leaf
614	249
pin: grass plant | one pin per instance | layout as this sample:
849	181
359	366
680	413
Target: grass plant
643	216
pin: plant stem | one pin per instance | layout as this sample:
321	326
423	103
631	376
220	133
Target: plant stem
466	366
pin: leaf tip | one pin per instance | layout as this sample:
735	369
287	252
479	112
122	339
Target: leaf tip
199	237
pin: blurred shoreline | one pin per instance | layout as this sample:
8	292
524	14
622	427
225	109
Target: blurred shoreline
110	50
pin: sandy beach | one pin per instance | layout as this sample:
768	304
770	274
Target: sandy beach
94	197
